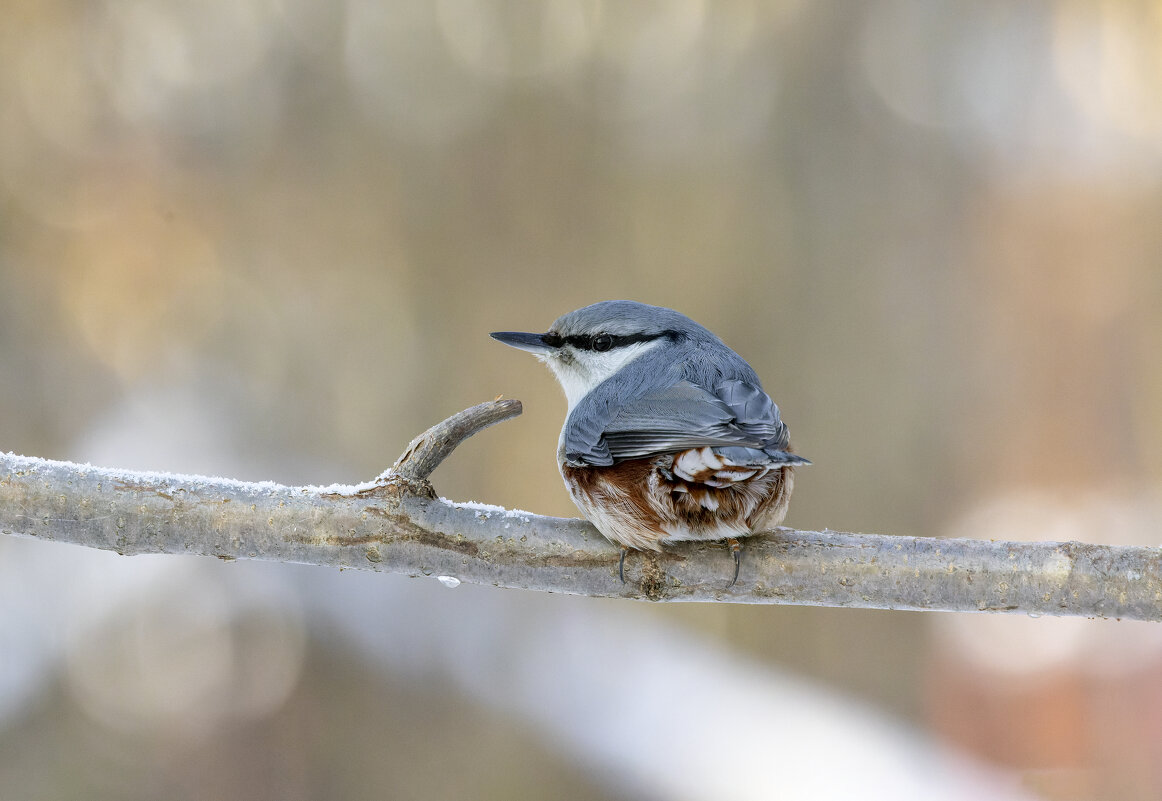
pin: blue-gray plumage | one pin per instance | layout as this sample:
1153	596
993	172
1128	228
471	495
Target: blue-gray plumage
669	434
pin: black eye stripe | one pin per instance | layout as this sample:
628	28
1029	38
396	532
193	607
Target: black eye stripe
580	342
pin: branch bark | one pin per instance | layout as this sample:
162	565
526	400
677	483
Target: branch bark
397	524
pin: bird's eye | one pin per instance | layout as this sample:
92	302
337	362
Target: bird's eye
602	342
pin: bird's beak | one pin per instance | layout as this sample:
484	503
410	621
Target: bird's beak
533	343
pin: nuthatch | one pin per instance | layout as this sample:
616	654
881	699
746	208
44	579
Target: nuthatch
669	435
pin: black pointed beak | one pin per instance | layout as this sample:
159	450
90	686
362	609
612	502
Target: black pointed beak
533	343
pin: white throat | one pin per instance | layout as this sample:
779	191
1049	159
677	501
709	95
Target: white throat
580	375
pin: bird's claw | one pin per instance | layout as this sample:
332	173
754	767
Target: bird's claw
736	549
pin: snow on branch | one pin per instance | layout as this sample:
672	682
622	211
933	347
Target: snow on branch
397	524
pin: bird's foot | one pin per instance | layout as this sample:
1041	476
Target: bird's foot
621	565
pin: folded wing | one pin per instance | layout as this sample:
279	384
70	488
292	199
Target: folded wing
734	417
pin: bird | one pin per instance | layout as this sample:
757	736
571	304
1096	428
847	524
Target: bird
669	435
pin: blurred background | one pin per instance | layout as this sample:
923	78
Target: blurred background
267	238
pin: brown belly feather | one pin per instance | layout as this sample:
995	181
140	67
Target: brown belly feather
641	503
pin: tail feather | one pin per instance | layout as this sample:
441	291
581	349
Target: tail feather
786	457
767	457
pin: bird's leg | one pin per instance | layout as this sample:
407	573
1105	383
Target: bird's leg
621	565
736	549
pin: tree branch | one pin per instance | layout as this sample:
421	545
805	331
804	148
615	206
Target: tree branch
396	524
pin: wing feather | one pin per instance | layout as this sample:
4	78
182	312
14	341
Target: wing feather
734	414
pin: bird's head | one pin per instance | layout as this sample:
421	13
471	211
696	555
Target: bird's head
590	345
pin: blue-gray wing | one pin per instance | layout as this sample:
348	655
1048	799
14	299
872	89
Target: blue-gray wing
733	414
